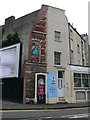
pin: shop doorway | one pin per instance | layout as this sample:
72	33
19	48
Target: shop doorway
61	84
40	88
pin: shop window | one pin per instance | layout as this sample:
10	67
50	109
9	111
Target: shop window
89	80
85	80
77	80
81	80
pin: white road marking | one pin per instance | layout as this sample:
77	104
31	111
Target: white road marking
46	117
85	115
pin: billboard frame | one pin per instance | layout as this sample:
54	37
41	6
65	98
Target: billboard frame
18	60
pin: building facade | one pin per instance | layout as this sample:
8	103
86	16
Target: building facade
50	45
89	56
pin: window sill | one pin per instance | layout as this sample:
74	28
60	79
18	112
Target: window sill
58	41
57	65
81	88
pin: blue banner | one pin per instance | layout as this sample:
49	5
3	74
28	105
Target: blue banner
52	85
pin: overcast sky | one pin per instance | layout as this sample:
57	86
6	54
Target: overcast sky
75	10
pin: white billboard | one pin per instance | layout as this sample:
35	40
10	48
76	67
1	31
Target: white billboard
9	61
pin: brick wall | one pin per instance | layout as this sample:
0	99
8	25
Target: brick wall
29	78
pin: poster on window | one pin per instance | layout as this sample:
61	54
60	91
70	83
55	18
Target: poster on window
40	90
41	85
9	61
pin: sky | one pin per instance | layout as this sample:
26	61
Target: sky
75	10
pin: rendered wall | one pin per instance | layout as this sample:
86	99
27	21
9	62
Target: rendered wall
56	21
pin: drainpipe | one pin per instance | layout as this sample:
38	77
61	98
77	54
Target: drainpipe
69	41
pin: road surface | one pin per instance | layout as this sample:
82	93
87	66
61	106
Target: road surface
52	114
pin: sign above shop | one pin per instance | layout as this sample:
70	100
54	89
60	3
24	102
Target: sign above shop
79	69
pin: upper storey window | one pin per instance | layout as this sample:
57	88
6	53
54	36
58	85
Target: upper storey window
57	36
78	48
57	58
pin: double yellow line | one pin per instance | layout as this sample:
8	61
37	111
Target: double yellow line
45	110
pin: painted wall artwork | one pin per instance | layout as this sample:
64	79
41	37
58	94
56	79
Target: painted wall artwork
35	49
52	85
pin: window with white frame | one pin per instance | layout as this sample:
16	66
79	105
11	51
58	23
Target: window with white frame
57	58
85	80
81	80
77	80
89	80
57	36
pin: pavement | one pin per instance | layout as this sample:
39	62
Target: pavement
8	105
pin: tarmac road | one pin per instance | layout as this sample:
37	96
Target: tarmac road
49	114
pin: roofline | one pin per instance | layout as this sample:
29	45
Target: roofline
76	31
53	7
28	14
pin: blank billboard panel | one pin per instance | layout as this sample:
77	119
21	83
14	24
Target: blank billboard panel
9	61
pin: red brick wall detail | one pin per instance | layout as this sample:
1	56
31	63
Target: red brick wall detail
38	38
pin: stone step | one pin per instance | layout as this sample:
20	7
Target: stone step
61	100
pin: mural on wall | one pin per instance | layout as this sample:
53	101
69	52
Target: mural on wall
35	51
38	33
52	85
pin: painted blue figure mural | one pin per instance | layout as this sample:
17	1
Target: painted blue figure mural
35	50
52	85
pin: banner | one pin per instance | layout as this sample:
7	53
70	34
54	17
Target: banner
51	85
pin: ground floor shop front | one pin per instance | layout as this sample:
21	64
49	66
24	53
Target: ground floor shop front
71	85
79	84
